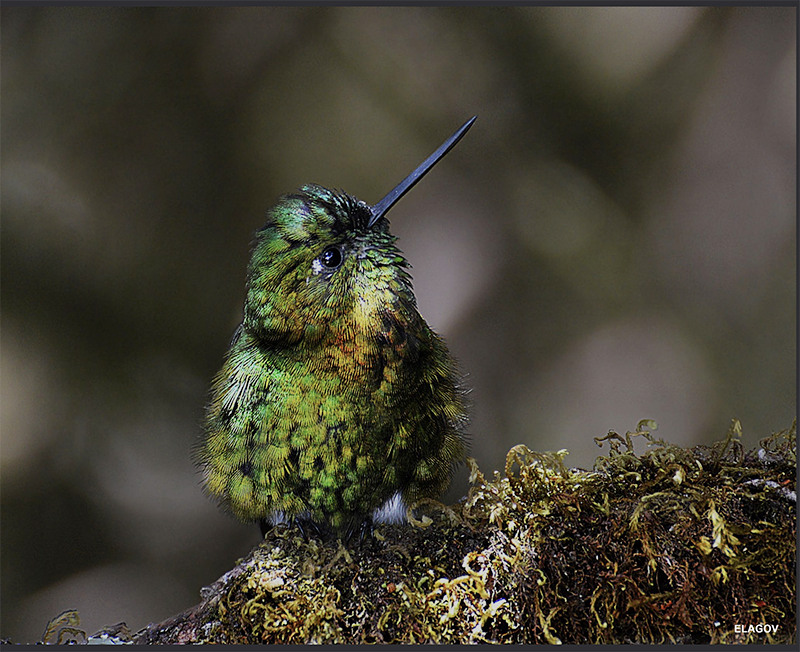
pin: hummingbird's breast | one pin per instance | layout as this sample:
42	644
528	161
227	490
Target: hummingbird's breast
372	331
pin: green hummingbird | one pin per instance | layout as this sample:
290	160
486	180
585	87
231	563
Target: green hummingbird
337	405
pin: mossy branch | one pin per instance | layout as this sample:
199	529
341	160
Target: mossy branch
675	545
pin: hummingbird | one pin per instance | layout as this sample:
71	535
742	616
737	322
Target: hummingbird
337	405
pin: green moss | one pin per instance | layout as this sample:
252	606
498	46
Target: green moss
673	545
680	545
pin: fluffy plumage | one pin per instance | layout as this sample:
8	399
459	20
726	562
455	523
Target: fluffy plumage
335	396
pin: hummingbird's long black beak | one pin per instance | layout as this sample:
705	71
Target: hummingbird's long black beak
382	207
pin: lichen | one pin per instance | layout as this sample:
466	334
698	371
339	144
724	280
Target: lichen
674	545
678	545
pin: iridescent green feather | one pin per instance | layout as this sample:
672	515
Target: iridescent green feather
335	394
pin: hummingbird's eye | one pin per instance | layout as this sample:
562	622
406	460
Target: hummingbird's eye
331	257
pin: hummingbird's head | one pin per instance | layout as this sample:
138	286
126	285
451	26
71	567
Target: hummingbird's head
321	259
325	264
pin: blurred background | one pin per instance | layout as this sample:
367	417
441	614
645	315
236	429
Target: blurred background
615	239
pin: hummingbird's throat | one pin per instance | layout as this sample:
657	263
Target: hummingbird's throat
371	306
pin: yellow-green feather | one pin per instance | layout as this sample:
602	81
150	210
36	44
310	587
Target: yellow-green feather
335	394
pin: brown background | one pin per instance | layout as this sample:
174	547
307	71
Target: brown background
614	240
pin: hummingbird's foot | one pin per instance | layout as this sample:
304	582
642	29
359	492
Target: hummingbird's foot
361	533
306	526
367	528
